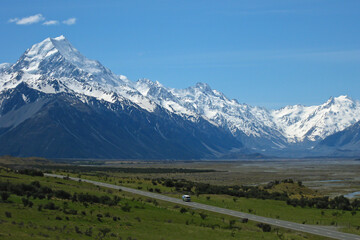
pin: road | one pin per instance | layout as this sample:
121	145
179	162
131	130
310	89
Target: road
317	230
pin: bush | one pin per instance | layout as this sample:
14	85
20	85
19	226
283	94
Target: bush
232	223
26	202
265	227
50	206
183	210
4	196
31	172
77	230
104	231
8	214
88	232
126	208
70	211
169	183
203	216
62	194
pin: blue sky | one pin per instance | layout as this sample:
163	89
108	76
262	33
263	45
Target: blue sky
268	53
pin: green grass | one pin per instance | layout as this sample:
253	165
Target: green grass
343	220
146	219
279	209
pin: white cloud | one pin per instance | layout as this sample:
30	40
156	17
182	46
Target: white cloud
69	21
11	20
28	20
39	18
51	22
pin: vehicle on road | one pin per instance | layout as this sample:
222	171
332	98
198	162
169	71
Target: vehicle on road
186	198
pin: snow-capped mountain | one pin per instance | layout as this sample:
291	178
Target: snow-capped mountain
54	66
207	122
289	125
242	120
299	123
54	102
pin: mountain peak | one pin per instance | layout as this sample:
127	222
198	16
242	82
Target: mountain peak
343	98
47	45
57	58
340	100
204	87
61	46
59	38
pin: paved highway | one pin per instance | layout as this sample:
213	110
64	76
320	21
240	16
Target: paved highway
317	230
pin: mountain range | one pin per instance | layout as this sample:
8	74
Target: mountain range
56	103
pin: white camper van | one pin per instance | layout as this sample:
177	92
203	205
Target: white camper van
186	198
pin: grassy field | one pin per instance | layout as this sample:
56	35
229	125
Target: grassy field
133	217
347	221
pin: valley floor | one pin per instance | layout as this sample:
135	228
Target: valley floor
136	217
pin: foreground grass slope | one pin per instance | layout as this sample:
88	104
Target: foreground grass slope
132	217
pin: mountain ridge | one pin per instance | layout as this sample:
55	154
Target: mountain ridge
54	66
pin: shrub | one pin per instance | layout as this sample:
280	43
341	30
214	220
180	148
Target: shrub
50	206
8	214
104	231
26	202
70	211
232	223
183	210
88	232
169	183
265	227
36	184
5	196
77	230
203	216
31	172
62	194
126	208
